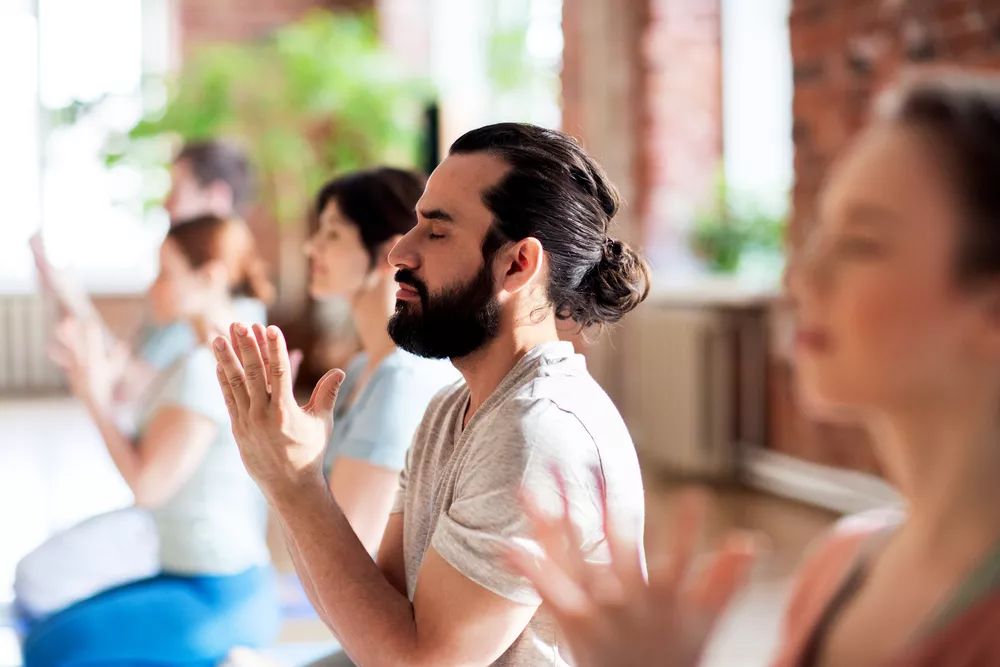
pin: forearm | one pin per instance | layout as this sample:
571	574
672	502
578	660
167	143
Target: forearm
304	576
121	449
134	378
373	621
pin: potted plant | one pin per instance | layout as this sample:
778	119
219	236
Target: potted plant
731	228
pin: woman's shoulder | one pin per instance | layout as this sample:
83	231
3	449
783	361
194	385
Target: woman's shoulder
833	554
828	561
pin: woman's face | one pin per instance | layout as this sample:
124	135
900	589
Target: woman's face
339	262
882	323
179	289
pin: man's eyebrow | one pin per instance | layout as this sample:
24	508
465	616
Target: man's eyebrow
435	214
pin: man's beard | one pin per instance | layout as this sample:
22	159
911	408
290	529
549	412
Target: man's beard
449	325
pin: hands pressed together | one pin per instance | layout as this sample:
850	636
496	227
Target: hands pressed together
281	443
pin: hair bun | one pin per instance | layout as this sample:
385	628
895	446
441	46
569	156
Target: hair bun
618	283
613	250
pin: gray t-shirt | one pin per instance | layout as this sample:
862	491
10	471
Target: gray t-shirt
459	490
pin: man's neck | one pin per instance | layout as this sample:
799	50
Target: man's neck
486	368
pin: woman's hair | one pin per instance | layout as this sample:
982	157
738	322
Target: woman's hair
960	114
558	194
380	202
228	240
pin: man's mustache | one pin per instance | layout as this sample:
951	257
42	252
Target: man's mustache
407	277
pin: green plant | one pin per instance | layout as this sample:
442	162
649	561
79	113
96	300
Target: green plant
317	97
733	225
524	80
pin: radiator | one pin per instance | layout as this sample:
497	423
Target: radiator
695	387
25	329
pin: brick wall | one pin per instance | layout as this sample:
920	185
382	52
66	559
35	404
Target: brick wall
239	20
602	107
641	88
845	51
681	61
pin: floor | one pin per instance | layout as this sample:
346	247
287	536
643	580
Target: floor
55	472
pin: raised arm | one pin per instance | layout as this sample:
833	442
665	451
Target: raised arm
451	621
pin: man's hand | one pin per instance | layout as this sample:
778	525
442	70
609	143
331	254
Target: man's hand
280	442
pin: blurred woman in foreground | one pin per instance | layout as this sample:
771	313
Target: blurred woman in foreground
898	310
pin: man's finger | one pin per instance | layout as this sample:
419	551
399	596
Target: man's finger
227	393
260	335
65	331
324	396
253	367
279	366
233	371
234	340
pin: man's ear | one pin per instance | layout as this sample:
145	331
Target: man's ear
523	263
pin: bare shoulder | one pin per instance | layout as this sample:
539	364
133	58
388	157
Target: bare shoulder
826	564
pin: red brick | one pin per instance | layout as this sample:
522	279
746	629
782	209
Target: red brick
960	33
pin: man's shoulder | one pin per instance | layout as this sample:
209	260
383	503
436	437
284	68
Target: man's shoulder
564	400
532	427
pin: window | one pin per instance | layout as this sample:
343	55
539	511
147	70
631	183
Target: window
86	65
19	135
757	100
496	60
